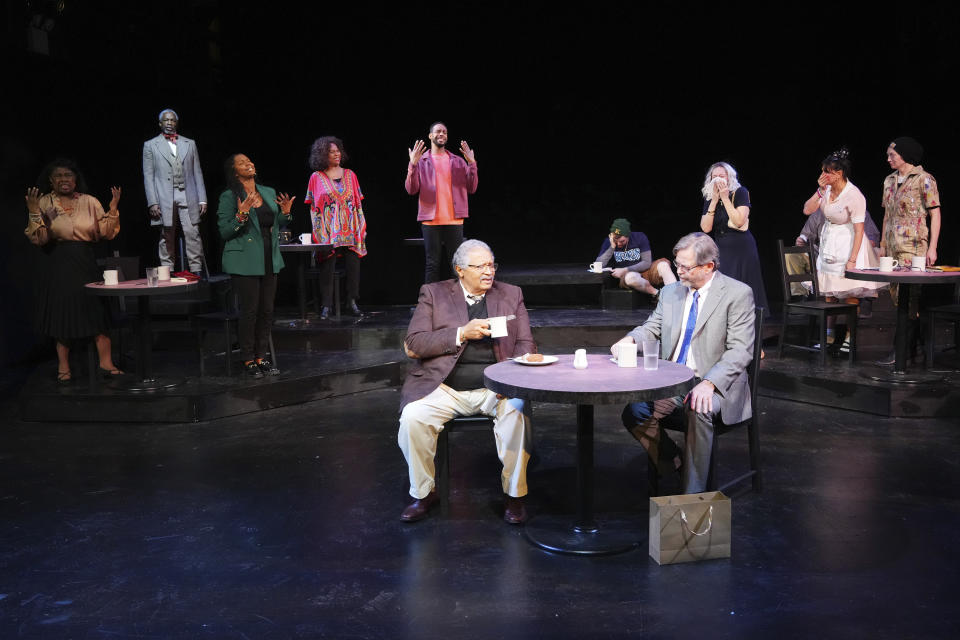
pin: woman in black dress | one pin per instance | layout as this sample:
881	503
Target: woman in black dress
726	217
67	223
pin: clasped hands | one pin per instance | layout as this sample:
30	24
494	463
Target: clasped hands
700	398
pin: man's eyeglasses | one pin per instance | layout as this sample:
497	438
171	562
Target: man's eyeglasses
683	268
492	266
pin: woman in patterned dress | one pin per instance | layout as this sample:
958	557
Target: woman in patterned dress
336	213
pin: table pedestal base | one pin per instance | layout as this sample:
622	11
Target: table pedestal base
880	374
560	535
152	384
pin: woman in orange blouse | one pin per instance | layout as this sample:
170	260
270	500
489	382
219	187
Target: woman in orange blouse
66	223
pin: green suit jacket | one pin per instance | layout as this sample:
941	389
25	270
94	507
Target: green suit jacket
243	243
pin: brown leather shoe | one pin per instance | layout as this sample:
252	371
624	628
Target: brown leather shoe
514	510
417	510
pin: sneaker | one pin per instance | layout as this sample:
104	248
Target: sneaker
267	367
250	366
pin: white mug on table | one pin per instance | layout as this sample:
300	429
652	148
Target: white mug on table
110	277
596	267
306	238
887	264
627	354
918	263
163	272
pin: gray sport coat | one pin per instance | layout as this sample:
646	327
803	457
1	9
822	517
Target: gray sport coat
158	180
722	339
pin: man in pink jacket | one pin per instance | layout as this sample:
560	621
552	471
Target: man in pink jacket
443	180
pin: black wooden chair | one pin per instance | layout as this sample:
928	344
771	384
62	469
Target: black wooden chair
463	423
815	309
225	319
946	312
720	428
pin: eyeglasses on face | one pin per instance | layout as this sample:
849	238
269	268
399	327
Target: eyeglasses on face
683	268
491	266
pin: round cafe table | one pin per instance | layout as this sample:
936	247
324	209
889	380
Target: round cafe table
602	382
145	380
305	251
906	279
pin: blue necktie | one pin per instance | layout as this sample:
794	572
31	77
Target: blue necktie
688	334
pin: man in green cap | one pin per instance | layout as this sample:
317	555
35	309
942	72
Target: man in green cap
627	253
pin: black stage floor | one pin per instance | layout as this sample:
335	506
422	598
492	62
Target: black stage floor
284	524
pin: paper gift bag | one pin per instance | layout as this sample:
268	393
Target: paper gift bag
689	527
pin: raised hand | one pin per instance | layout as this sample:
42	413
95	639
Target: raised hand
467	152
251	201
285	203
33	201
418	150
115	200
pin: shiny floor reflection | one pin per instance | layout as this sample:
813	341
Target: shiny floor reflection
284	524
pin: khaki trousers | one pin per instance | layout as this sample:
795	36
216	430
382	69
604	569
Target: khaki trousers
422	421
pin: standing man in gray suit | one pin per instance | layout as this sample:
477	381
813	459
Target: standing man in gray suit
704	321
175	193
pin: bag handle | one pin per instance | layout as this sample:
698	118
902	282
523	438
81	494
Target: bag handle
683	519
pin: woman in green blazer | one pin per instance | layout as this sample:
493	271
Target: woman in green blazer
249	217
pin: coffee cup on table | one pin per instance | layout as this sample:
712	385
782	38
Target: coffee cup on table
111	277
306	238
918	263
887	264
627	354
163	272
596	267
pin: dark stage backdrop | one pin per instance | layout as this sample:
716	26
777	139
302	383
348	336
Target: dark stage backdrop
577	117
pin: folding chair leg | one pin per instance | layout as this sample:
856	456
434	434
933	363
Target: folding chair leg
442	482
273	351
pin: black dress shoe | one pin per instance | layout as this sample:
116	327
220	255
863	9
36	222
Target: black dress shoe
354	309
267	367
514	510
324	313
417	510
252	369
889	359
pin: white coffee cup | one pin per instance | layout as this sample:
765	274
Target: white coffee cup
111	277
306	238
887	264
596	267
918	263
163	272
498	326
627	355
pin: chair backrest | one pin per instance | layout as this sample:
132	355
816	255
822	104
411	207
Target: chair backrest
753	370
809	275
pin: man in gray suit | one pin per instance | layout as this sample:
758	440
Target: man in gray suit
704	321
450	341
175	193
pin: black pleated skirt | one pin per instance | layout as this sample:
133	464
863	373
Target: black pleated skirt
65	311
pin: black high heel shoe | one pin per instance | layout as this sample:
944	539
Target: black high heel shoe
110	374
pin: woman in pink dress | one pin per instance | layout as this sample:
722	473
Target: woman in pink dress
336	214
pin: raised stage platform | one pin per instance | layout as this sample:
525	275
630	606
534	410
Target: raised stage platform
335	358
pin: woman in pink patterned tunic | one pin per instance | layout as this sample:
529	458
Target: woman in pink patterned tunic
336	213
